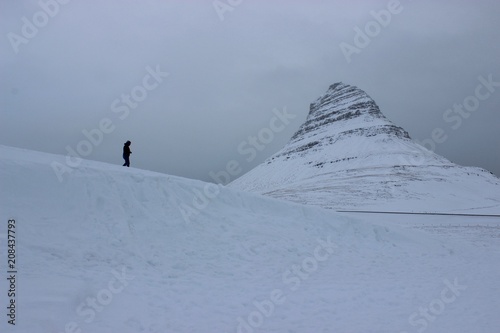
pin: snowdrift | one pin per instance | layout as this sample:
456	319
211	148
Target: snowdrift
112	249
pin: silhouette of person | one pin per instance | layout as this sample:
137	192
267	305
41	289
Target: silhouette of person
126	153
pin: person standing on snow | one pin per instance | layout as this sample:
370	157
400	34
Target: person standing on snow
126	153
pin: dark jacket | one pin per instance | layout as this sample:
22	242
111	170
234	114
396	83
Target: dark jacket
126	149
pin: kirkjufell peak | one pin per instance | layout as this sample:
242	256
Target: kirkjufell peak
340	107
348	155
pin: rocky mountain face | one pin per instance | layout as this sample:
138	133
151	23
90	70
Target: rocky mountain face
348	155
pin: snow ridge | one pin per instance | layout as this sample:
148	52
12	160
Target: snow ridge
108	250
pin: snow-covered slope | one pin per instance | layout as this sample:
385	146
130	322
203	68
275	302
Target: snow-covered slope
110	249
347	155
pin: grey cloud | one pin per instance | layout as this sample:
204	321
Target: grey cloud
227	76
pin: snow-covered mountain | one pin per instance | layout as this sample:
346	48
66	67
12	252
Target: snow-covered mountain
348	155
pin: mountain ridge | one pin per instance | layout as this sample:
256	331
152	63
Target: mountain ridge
347	155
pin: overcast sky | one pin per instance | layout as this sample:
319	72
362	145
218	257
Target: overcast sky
232	64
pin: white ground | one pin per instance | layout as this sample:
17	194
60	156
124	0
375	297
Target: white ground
112	249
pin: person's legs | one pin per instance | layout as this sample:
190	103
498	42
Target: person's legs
127	161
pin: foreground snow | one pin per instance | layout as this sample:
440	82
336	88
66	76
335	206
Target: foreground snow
112	249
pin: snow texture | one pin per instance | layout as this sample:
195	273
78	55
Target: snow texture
110	249
347	155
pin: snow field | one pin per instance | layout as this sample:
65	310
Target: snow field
108	250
